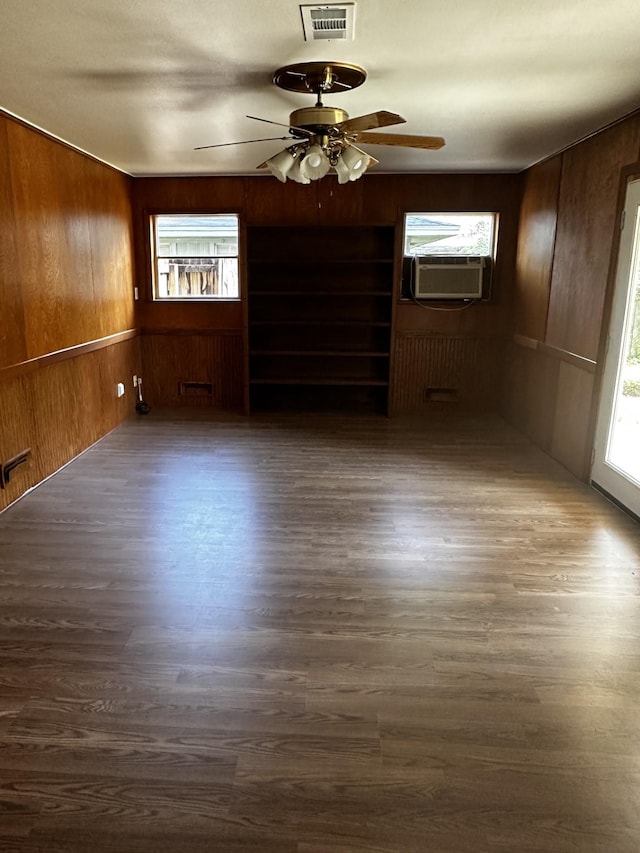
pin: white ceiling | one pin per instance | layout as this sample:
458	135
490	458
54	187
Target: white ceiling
140	84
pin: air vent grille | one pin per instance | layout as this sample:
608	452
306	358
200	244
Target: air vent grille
333	21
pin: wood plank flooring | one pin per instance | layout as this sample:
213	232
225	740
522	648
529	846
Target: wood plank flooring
318	635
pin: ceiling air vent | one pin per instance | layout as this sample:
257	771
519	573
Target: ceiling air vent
333	21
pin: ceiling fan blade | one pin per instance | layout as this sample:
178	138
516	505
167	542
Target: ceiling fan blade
404	140
244	142
380	119
280	124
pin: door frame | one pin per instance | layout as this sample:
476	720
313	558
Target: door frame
628	175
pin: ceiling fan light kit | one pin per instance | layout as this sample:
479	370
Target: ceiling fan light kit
295	173
280	165
324	135
356	161
315	163
344	172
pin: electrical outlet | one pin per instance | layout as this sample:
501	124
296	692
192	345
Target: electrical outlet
120	389
135	381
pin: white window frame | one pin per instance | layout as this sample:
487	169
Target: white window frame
440	218
216	253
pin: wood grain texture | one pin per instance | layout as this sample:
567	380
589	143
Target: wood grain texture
530	392
66	287
443	372
188	195
195	317
373	200
216	359
61	409
284	204
387	196
586	222
108	199
12	329
341	204
554	404
536	244
327	635
24	367
73	225
550	398
571	442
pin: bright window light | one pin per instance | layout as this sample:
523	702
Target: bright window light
464	234
195	257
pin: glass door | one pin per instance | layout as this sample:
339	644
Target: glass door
616	465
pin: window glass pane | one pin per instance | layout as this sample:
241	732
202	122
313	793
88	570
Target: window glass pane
178	236
449	234
196	257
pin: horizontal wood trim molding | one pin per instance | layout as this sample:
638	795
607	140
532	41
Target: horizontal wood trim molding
146	330
524	341
12	371
454	336
586	364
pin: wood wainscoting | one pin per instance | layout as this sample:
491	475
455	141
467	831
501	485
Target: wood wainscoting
435	372
566	256
549	397
193	368
60	406
67	326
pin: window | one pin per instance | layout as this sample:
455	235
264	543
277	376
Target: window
195	257
448	256
462	234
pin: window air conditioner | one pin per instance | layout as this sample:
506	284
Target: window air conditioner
450	277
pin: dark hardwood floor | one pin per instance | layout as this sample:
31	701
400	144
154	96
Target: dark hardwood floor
318	635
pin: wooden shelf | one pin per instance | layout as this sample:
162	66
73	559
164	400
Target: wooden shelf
319	313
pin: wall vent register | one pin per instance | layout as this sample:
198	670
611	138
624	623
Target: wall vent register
331	21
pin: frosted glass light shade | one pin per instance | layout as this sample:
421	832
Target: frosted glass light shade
357	162
294	173
315	164
280	164
344	172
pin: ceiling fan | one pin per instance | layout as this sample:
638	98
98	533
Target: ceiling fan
325	137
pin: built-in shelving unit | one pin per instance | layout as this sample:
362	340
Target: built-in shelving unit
319	305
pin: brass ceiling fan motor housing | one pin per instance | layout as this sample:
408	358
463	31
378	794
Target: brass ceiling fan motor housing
317	119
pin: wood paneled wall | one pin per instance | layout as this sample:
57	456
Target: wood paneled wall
477	333
457	350
176	364
67	325
534	261
181	342
446	372
566	237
